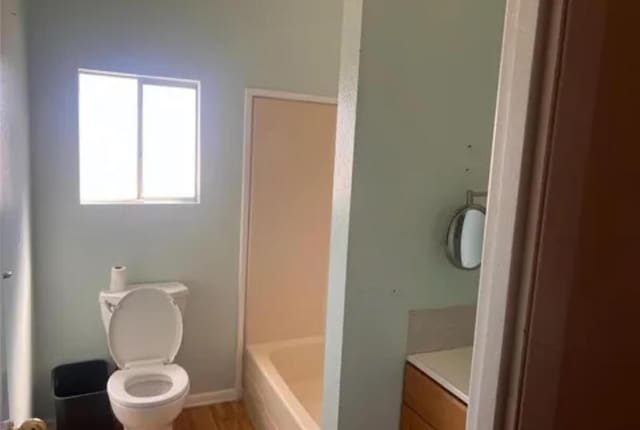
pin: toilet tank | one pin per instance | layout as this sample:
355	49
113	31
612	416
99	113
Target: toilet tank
109	299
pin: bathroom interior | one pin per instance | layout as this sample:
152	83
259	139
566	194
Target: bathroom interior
186	185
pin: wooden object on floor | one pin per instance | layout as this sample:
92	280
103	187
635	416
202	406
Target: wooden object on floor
427	405
222	416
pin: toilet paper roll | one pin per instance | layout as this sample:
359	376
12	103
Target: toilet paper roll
118	278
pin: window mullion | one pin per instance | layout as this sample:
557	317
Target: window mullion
140	135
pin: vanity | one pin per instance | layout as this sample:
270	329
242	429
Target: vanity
436	390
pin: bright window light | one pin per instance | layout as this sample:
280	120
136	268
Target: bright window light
138	139
168	165
108	138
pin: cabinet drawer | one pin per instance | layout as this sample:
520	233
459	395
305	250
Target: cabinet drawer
411	420
432	402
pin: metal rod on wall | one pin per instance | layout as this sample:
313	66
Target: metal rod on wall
471	195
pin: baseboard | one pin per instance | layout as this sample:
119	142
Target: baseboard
211	397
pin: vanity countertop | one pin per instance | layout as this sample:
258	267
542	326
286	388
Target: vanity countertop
450	368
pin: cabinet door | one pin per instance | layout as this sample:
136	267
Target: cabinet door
432	402
411	420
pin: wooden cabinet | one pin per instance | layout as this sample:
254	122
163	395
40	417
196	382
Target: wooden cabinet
428	406
412	421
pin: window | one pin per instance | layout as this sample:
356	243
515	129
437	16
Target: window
138	139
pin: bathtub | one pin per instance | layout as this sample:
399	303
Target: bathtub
283	384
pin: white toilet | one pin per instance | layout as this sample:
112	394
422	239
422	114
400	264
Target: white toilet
144	331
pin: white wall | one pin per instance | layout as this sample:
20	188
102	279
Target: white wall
227	44
423	114
15	216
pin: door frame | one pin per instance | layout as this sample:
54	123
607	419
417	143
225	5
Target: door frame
5	408
4	420
529	63
247	150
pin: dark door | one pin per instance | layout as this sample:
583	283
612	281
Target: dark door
582	360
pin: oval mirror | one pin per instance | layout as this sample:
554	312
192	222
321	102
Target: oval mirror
464	238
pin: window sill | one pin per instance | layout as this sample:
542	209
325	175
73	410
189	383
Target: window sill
141	202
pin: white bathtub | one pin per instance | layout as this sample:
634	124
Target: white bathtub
283	384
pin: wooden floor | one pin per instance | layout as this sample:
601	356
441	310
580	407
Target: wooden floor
223	416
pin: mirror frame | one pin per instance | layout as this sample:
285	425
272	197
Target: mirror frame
452	223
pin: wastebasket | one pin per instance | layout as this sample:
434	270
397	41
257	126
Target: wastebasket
80	394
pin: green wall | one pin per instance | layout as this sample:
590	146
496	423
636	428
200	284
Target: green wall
228	45
426	95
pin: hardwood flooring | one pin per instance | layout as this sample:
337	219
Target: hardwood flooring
223	416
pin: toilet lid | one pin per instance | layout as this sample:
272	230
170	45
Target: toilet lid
145	328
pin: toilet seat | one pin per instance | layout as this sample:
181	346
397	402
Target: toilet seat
147	378
145	329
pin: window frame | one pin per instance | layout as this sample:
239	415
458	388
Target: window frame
143	80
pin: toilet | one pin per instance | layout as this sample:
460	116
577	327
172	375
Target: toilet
144	332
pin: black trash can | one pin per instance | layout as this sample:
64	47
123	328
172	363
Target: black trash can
80	393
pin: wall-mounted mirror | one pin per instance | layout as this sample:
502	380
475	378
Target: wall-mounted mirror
464	237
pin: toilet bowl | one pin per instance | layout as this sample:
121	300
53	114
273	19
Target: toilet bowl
144	331
148	397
